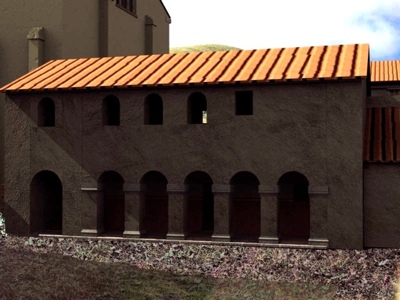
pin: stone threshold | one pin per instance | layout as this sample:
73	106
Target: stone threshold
195	242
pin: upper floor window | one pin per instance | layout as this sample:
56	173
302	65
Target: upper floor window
111	111
128	5
197	109
46	113
244	102
153	110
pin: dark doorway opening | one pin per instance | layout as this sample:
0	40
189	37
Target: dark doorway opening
197	108
114	202
293	208
199	206
46	113
46	207
153	110
245	207
155	205
111	111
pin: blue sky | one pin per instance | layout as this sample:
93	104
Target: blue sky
258	24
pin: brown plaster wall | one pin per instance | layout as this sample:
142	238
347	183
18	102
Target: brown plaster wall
312	128
17	166
126	33
381	205
380	96
72	29
80	26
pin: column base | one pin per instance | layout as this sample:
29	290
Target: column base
318	242
220	238
90	232
131	234
175	236
268	240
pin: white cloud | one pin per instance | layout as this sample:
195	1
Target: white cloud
264	24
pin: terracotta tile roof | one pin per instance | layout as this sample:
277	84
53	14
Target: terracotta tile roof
383	71
220	67
382	131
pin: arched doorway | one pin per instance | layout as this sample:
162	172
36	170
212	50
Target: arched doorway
155	205
245	207
199	206
114	202
46	204
294	208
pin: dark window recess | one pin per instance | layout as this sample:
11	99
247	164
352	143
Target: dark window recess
46	113
197	108
153	110
111	111
128	5
394	92
244	103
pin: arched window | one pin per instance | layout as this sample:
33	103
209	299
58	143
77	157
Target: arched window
200	206
197	109
111	111
153	110
245	207
294	207
46	113
46	203
154	205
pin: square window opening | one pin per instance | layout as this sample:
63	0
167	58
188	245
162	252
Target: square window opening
244	103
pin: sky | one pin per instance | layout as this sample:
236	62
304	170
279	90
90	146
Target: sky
261	24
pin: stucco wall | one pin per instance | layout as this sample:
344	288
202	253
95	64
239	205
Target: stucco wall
17	166
71	30
381	205
161	20
381	97
80	26
126	33
314	129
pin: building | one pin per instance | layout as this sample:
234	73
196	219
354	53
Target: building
382	157
270	146
36	31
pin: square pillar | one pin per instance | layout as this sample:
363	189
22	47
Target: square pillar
318	220
92	212
35	47
221	213
132	214
319	196
176	201
269	218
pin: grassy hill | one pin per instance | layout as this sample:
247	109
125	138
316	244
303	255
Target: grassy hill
202	48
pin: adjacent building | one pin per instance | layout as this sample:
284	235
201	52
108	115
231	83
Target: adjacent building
382	157
33	32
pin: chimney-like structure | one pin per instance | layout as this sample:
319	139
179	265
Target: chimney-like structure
35	47
149	35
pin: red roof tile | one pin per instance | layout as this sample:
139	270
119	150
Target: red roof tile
382	131
236	66
383	71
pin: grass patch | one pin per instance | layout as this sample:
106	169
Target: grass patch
28	275
202	48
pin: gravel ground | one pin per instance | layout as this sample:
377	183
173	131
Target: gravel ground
366	274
